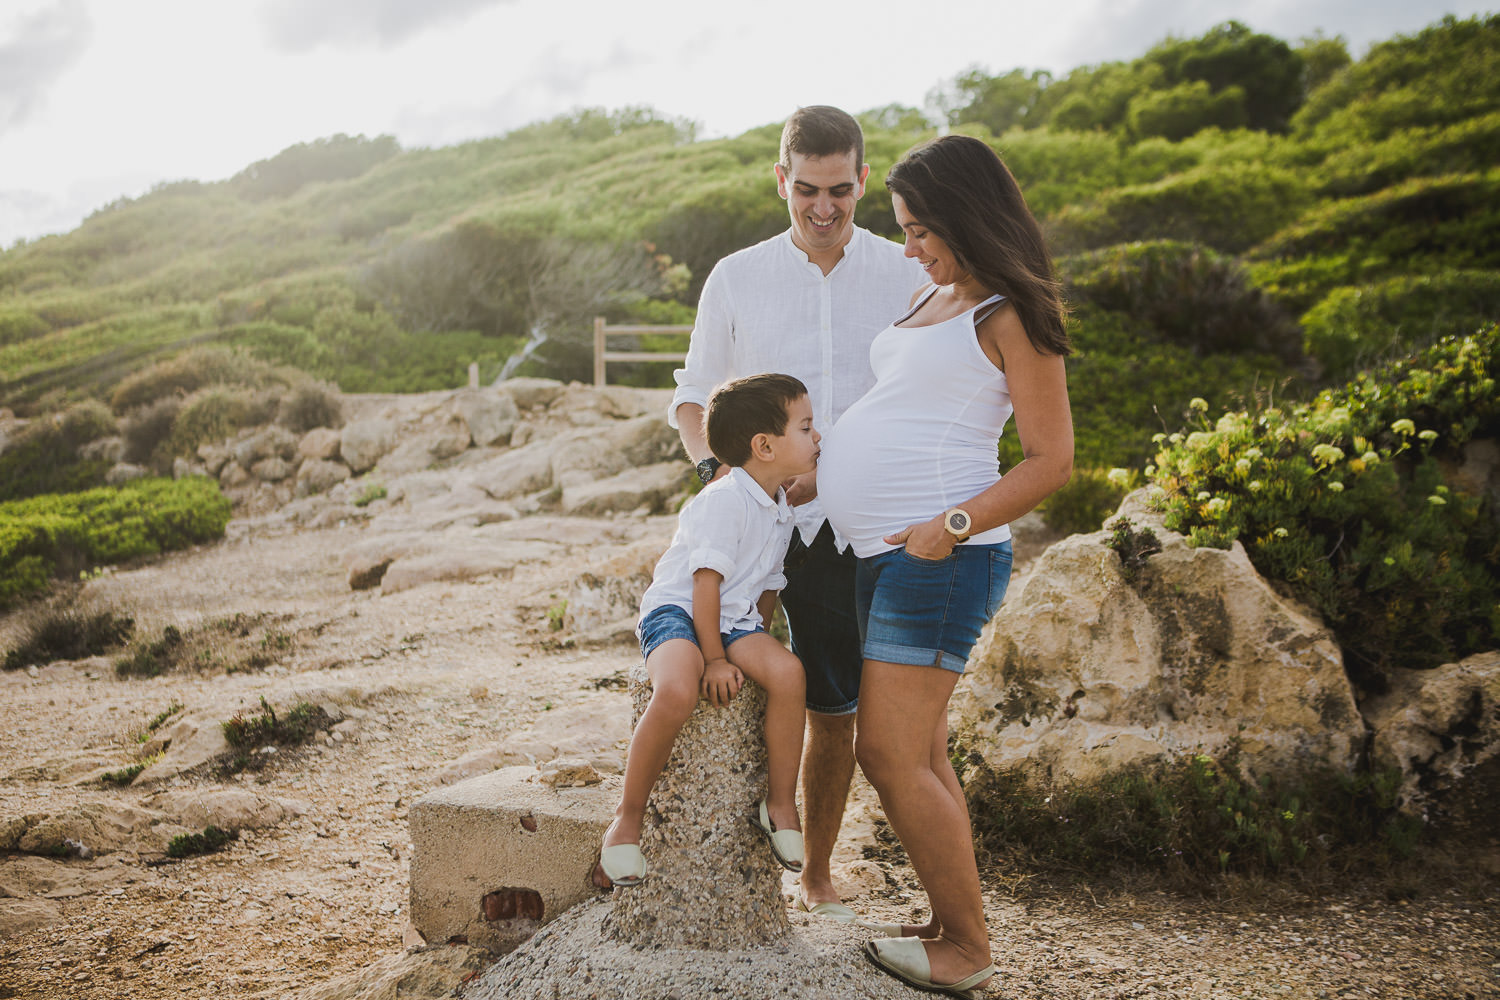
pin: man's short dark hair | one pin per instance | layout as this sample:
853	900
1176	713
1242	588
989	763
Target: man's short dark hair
740	409
821	130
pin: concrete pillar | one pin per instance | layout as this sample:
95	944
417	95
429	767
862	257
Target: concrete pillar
714	884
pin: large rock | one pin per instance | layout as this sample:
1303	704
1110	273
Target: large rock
1083	670
320	442
315	475
1441	729
605	600
587	454
459	562
646	488
436	444
259	444
489	416
362	443
514	473
531	393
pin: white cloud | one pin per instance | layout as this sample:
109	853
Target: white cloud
298	25
41	46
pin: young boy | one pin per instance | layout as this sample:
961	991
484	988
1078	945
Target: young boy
702	626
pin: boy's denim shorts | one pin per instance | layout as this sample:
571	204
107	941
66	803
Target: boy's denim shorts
671	622
929	612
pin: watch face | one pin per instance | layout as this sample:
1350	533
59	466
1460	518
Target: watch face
958	521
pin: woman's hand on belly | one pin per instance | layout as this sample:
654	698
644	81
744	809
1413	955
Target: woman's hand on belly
928	540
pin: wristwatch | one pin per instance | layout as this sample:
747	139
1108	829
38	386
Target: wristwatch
958	522
707	469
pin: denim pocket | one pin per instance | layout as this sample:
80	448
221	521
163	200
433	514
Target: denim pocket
1000	567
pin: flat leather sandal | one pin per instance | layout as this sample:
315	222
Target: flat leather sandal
906	959
785	844
623	864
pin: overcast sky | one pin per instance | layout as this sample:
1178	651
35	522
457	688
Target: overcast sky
104	98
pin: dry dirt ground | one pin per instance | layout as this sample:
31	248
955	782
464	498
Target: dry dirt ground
449	668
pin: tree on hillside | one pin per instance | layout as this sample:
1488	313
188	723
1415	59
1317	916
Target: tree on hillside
334	158
999	103
1268	72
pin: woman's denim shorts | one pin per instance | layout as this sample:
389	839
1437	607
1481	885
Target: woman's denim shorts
671	622
929	612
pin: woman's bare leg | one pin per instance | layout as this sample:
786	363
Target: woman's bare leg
902	724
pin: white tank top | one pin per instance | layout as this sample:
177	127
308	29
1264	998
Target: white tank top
922	439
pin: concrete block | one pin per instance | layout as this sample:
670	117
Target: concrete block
496	856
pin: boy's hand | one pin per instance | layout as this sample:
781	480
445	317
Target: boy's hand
801	489
721	682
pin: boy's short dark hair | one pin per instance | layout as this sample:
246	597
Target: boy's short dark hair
821	130
740	409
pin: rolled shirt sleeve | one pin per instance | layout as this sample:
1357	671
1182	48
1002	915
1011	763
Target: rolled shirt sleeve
710	358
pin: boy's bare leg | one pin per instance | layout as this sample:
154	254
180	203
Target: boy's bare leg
769	664
827	770
675	668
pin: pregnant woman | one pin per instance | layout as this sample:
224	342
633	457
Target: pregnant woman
909	476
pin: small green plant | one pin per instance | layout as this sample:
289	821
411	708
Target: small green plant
1134	547
373	490
67	633
153	657
265	727
124	775
186	845
160	718
556	615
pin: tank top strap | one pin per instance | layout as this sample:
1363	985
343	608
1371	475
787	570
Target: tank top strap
987	308
929	293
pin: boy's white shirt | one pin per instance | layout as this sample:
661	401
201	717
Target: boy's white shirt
735	529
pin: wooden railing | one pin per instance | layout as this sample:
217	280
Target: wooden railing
603	356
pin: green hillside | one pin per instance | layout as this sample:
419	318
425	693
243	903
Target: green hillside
1235	215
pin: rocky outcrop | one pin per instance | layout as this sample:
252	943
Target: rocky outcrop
1087	668
1441	729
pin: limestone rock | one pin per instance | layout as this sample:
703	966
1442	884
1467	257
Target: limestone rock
698	841
270	441
232	475
363	442
1081	671
459	562
1441	729
649	488
272	470
489	416
17	916
187	743
607	596
316	475
100	826
182	468
522	470
426	448
320	442
531	393
587	454
109	449
225	808
430	972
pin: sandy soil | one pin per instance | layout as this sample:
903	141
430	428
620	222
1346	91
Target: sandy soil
453	667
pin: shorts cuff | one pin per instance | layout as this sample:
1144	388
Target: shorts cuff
906	656
847	708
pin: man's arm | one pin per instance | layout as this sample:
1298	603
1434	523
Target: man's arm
709	362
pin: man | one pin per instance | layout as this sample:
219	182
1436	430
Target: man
807	303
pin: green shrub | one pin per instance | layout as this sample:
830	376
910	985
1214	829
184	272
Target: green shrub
1354	328
185	373
68	532
1228	206
152	657
45	457
20	324
1194	818
148	432
67	633
1344	501
210	415
186	845
1464	147
1420	224
307	405
235	644
1189	294
247	733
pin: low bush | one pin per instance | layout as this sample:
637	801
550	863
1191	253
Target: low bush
307	405
1355	328
1228	206
46	456
186	845
1188	294
148	432
67	633
190	371
65	533
1194	818
210	415
1088	497
242	642
1344	501
247	734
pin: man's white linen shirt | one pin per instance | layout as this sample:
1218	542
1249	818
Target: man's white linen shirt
768	308
735	529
